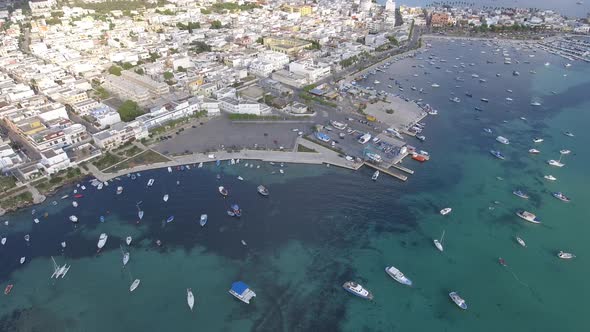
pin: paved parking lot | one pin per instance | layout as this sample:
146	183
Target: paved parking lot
222	132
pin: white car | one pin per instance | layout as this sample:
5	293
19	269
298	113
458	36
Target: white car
294	130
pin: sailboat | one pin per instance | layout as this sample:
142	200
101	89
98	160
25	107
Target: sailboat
134	285
125	257
140	214
190	299
3	241
128	240
438	244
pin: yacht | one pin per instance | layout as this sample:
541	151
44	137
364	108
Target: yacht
502	140
128	240
555	163
125	258
242	292
560	196
140	214
134	285
435	85
102	240
520	194
537	140
73	219
375	176
165	198
262	190
222	191
190	298
520	241
485	100
357	290
534	151
497	154
565	255
564	151
74	204
530	217
455	99
535	103
119	190
3	241
446	211
398	276
458	300
203	220
550	177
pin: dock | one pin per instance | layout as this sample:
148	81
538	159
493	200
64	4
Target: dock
387	171
403	169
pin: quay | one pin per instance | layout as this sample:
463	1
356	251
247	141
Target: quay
387	171
403	169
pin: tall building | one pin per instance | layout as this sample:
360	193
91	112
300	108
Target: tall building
390	6
390	13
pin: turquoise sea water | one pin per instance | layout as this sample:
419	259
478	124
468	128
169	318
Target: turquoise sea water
323	226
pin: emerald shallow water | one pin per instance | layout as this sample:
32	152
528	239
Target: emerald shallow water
323	226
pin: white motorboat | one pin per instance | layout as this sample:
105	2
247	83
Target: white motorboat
398	276
375	175
240	178
520	241
27	237
102	240
140	214
459	301
190	298
119	190
73	219
438	243
134	285
63	244
446	211
125	258
165	198
242	292
23	259
534	151
528	216
502	140
222	191
538	140
565	255
550	177
128	240
200	165
169	169
203	220
357	290
244	243
565	151
75	204
555	163
3	241
568	134
36	220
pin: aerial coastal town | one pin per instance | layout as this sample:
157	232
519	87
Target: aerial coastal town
103	88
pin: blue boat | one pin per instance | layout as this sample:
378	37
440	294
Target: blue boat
234	211
459	301
497	154
242	292
218	162
101	218
170	219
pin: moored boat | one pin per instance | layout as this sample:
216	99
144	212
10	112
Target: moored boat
203	220
8	289
560	196
234	211
134	285
497	154
73	219
520	241
222	191
102	240
119	190
165	198
565	255
125	258
375	175
537	140
569	134
357	290
446	211
150	182
528	216
534	151
555	163
242	292
550	177
22	260
502	140
128	240
459	301
190	298
262	190
398	276
520	194
565	151
170	219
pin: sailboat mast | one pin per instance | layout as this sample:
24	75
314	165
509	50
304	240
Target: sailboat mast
442	237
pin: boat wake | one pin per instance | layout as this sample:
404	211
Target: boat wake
516	277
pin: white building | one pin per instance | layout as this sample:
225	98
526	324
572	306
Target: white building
119	133
241	106
54	160
105	116
311	71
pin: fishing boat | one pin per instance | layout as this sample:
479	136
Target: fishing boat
134	285
190	298
357	290
560	196
150	182
262	190
119	190
102	240
234	211
550	177
74	204
565	255
502	140
528	216
564	151
458	300
222	191
569	134
537	140
203	220
520	241
520	194
497	154
534	151
398	276
439	243
375	175
23	259
555	163
165	198
170	219
8	289
125	258
446	211
73	219
242	292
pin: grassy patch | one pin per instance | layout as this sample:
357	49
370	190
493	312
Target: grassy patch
7	183
309	97
107	159
17	201
146	158
303	148
132	151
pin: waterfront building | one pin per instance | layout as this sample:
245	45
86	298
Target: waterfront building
288	46
119	133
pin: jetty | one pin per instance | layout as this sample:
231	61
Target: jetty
387	171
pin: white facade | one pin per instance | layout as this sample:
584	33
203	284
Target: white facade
105	116
312	72
54	160
119	134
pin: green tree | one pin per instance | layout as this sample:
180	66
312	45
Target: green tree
129	110
127	65
200	47
168	75
115	70
216	24
260	40
154	57
181	69
140	71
